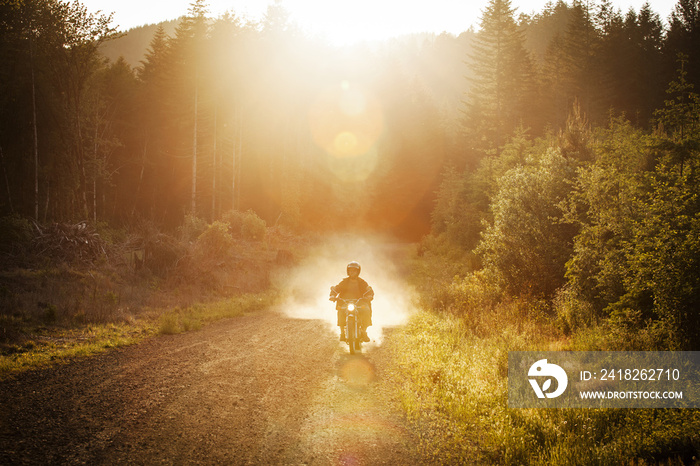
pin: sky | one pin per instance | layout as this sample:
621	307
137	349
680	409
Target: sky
344	21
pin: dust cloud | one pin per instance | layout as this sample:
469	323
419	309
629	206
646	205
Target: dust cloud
306	287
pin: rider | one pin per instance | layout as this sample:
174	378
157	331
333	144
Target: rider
353	287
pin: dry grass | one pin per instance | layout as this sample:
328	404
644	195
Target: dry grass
43	345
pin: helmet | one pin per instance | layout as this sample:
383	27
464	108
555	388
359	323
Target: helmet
354	265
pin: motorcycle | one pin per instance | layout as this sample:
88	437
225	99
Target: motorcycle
353	325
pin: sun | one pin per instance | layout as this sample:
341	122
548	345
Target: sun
348	22
339	23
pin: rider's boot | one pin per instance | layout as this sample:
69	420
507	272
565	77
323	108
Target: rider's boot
342	334
364	337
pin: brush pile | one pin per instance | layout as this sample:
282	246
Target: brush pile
72	243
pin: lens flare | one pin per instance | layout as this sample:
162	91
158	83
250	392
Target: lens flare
354	169
346	144
346	122
357	372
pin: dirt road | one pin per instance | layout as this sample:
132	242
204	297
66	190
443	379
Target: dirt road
258	389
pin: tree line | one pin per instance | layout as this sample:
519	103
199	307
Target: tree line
228	113
600	216
218	116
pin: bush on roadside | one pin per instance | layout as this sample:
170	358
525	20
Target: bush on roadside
245	225
162	253
214	243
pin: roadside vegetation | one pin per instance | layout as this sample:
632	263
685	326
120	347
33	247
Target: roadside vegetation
75	290
589	242
451	382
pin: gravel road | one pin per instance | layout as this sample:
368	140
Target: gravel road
258	389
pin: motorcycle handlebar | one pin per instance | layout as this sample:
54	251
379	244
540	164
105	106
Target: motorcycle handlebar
348	301
334	295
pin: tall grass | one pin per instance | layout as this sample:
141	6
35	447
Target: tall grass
450	378
452	386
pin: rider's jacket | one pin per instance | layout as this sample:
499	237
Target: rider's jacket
352	288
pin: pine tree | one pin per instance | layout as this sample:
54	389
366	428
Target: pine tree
680	119
630	59
684	37
649	42
189	47
502	77
580	69
48	53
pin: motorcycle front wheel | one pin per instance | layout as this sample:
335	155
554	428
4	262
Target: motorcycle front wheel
352	337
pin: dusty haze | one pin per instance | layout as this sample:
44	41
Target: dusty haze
306	287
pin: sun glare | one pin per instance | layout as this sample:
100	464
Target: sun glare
340	23
344	22
347	23
350	22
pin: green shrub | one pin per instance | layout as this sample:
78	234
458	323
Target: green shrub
476	291
528	244
162	253
253	227
215	242
245	225
234	218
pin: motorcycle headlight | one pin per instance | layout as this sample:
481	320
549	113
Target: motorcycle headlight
351	307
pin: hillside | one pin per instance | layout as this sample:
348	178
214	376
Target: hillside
134	43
